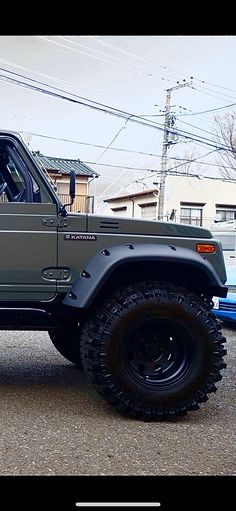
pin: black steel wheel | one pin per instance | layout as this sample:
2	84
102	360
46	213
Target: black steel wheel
66	340
158	352
154	351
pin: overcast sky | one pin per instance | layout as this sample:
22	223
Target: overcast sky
128	73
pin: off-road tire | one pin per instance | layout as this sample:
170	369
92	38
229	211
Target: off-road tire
66	340
154	351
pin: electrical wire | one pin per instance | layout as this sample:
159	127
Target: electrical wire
175	173
119	149
208	111
97	51
198	79
198	89
152	170
154	155
59	80
92	88
92	101
89	55
211	90
193	126
113	140
121	50
108	110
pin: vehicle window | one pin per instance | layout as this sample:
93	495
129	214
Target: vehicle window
16	183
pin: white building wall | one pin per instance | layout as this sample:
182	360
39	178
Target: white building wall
182	189
132	206
188	189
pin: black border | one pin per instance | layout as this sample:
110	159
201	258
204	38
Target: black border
62	492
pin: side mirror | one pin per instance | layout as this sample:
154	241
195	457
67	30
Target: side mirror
71	192
72	185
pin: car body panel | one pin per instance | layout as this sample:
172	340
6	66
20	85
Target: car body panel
44	248
225	308
28	241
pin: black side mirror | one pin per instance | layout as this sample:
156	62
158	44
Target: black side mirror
72	185
71	192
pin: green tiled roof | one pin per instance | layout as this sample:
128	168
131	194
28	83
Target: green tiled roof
63	165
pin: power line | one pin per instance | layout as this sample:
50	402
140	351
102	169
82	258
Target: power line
183	174
197	79
89	55
198	89
107	109
95	105
57	89
59	80
211	90
179	174
214	85
90	88
119	149
118	166
92	145
86	99
193	160
105	43
193	126
114	47
71	83
113	140
141	59
208	111
97	51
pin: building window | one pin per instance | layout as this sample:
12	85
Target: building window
149	210
190	215
226	212
121	210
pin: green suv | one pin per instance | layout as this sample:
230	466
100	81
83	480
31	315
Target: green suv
128	300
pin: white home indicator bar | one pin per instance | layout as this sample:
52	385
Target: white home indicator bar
118	504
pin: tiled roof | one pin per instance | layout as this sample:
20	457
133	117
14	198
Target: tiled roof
63	165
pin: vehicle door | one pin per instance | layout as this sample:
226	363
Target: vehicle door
28	232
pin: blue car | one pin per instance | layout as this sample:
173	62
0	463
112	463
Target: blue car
225	308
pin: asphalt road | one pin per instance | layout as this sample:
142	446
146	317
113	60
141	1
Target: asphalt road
53	422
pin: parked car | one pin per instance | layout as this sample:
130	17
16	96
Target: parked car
229	225
225	232
225	308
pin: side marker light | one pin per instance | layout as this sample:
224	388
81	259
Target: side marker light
205	248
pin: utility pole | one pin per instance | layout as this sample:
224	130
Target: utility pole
166	142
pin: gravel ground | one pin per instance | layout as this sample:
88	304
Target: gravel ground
54	423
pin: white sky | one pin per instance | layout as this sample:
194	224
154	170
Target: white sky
129	73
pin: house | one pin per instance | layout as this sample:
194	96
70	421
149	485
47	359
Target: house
138	205
58	171
187	199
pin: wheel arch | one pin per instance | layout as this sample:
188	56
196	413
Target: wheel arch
121	264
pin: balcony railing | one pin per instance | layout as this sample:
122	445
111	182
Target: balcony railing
81	204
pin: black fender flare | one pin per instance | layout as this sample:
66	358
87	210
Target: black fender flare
103	263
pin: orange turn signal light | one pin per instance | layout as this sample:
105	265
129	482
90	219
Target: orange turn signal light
205	248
